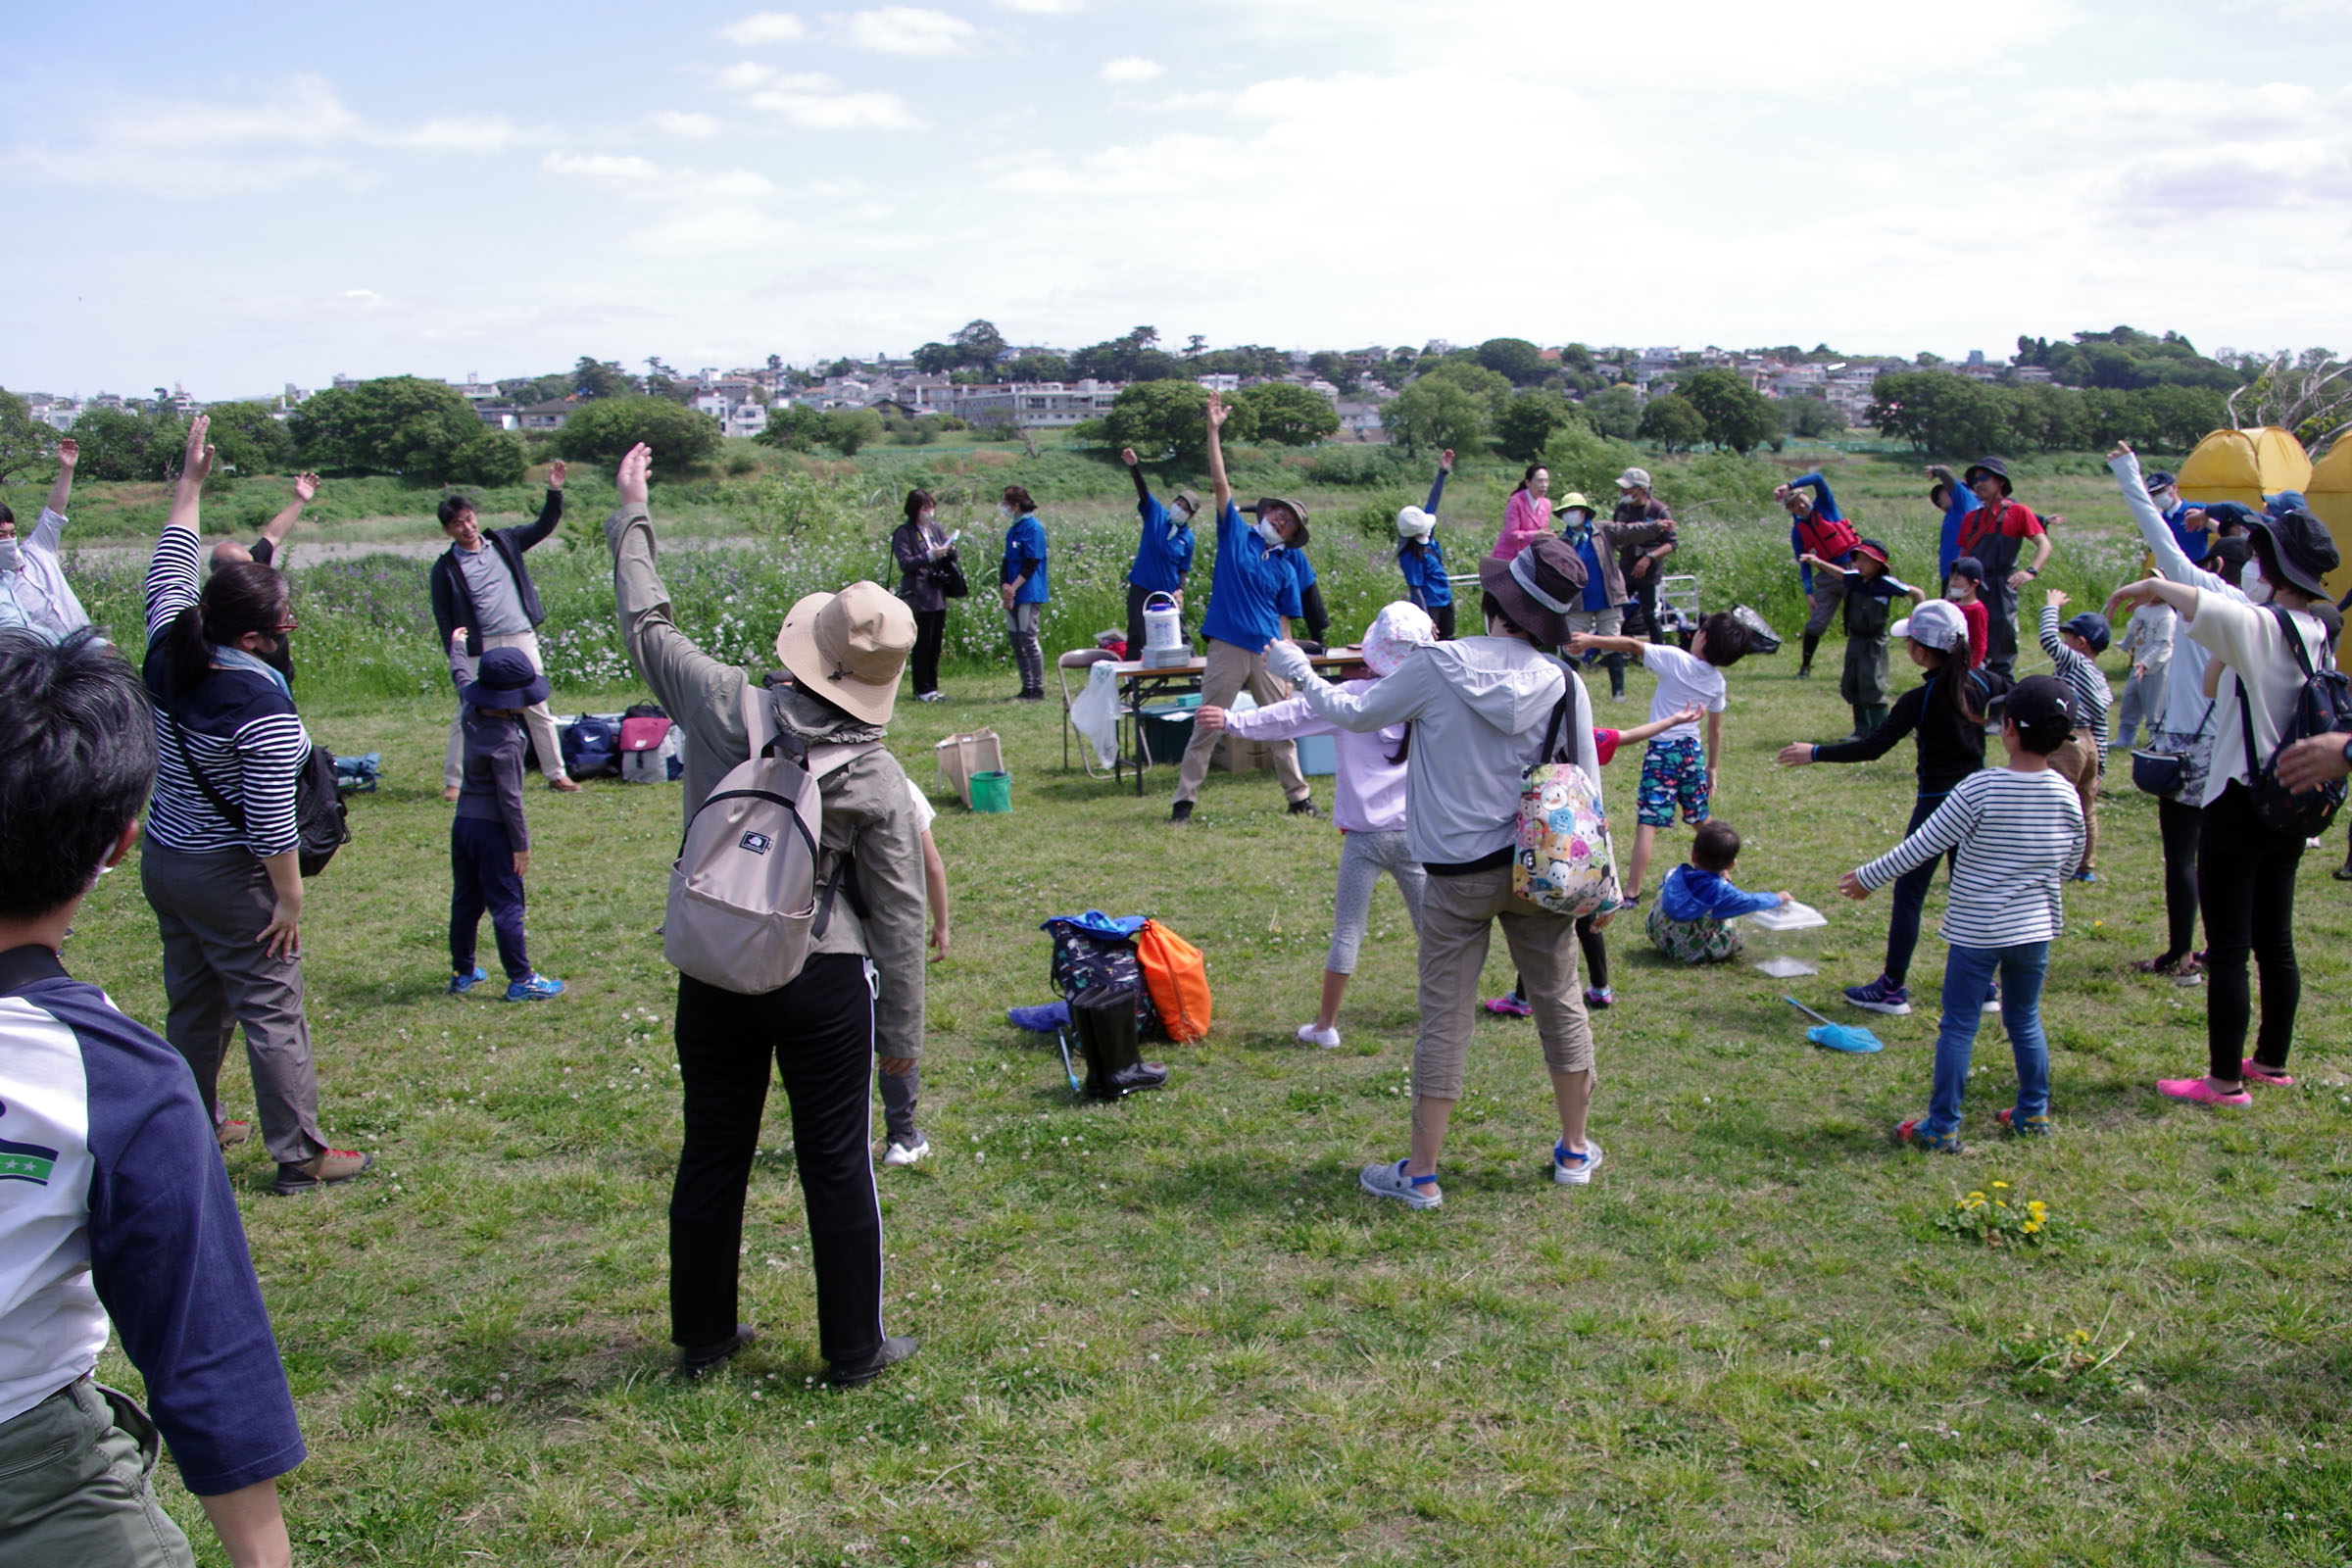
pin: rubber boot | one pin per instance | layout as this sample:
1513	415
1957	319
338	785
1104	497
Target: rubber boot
1107	1034
1862	724
1875	714
1804	664
1616	665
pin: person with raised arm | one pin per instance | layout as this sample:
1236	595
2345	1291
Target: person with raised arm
33	592
265	547
1250	583
1816	529
1164	550
482	587
1421	558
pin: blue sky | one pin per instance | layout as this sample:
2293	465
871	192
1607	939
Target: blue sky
242	196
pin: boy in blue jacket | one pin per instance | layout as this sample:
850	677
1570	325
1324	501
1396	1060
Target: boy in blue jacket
1164	553
1689	922
1422	558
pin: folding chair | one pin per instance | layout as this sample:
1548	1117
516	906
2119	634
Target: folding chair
1085	659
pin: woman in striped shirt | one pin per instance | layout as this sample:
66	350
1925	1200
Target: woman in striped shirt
2019	833
221	858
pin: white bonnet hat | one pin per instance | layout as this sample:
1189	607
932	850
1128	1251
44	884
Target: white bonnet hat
1395	632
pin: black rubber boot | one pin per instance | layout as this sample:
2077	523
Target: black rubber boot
1804	664
1105	1020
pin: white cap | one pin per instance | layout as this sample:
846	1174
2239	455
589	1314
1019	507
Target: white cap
1938	625
1634	480
1414	523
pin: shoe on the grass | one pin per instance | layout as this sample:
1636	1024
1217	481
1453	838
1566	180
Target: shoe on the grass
1992	999
1880	995
697	1359
1180	813
899	1153
1572	1169
322	1169
1305	806
538	988
2084	875
2031	1127
1907	1134
1510	1006
229	1134
1384	1180
1328	1039
460	984
932	695
2200	1091
2254	1072
856	1374
1600	996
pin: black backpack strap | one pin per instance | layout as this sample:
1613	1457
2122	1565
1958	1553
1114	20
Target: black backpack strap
1551	731
2245	720
234	817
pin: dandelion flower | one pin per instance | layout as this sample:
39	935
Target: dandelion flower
1999	1185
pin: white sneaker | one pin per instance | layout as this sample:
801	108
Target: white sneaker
903	1155
1382	1180
1574	1170
1328	1039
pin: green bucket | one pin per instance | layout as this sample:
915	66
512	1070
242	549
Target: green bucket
992	792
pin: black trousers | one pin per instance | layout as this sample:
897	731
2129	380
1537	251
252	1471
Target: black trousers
930	632
2179	826
818	1031
2246	885
481	875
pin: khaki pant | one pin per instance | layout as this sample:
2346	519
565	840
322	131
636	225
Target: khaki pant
75	1485
1828	591
542	722
1230	671
1457	918
2078	762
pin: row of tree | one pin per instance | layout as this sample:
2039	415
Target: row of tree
1940	413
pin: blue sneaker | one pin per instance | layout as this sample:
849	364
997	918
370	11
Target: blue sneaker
460	984
537	988
2085	876
1992	999
1882	996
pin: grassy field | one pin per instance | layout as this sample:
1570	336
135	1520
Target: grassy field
1173	1331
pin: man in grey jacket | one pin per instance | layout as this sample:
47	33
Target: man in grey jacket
1481	708
863	984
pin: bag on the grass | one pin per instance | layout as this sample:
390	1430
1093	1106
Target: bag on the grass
744	905
645	733
359	775
1092	951
1564	864
1177	978
591	747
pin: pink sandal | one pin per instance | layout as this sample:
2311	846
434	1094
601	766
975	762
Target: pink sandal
2200	1091
2254	1072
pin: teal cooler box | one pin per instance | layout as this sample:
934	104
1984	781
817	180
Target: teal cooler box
1319	756
1167	727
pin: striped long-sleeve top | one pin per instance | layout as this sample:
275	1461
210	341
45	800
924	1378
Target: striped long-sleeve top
238	726
2083	676
2018	836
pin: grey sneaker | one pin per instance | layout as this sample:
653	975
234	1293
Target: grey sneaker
1382	1180
857	1374
1572	1169
899	1153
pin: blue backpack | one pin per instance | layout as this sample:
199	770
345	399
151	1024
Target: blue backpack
591	747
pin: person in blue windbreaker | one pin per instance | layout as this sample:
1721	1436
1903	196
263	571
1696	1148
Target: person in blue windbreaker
1163	552
1955	501
1422	558
1022	587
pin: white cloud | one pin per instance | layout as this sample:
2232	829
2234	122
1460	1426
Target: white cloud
1131	68
1044	8
763	27
742	77
905	30
625	170
840	111
680	123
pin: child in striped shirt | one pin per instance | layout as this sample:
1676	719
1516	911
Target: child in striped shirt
2018	831
2075	648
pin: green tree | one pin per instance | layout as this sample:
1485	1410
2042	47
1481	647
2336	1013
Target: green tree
1615	412
935	358
1337	368
1437	411
1287	414
978	344
793	428
599	432
1515	359
1812	417
1527	422
848	429
1738	415
1038	365
249	438
660	381
1674	422
23	440
492	458
592	379
1167	421
129	444
1123	359
399	424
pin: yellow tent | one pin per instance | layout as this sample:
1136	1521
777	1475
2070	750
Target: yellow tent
2245	465
2330	491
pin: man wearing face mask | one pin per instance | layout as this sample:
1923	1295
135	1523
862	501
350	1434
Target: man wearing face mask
33	592
482	588
1249	585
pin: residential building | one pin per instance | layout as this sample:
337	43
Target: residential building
1044	405
548	416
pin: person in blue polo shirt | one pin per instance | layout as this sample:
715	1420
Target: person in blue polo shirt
1422	558
115	1204
1248	589
1022	587
1163	552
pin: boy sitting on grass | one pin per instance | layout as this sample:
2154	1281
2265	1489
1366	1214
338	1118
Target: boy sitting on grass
2019	833
1673	772
489	844
1690	923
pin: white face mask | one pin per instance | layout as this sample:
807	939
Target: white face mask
1268	533
2256	586
1005	512
10	558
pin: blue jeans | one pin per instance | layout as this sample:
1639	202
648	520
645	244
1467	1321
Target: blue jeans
1968	974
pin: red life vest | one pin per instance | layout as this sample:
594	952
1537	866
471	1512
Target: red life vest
1827	537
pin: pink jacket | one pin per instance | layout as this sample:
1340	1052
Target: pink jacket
1524	521
1368	794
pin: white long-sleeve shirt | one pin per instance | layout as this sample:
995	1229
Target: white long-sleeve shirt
2184	698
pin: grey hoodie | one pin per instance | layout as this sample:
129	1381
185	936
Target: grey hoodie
1480	708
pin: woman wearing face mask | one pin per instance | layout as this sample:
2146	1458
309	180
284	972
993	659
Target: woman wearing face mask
1021	585
221	863
2258	646
925	556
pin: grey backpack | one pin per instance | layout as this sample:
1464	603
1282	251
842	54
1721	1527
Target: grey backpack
744	905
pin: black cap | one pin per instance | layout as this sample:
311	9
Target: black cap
1993	466
1968	567
2043	708
2161	479
2093	628
2302	548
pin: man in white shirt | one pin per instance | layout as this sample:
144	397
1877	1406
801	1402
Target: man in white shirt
33	592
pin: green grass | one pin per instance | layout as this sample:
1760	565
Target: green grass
1172	1331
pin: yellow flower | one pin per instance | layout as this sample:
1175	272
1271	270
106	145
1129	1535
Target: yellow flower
1979	1196
1999	1185
2000	1204
2030	1226
2039	1207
